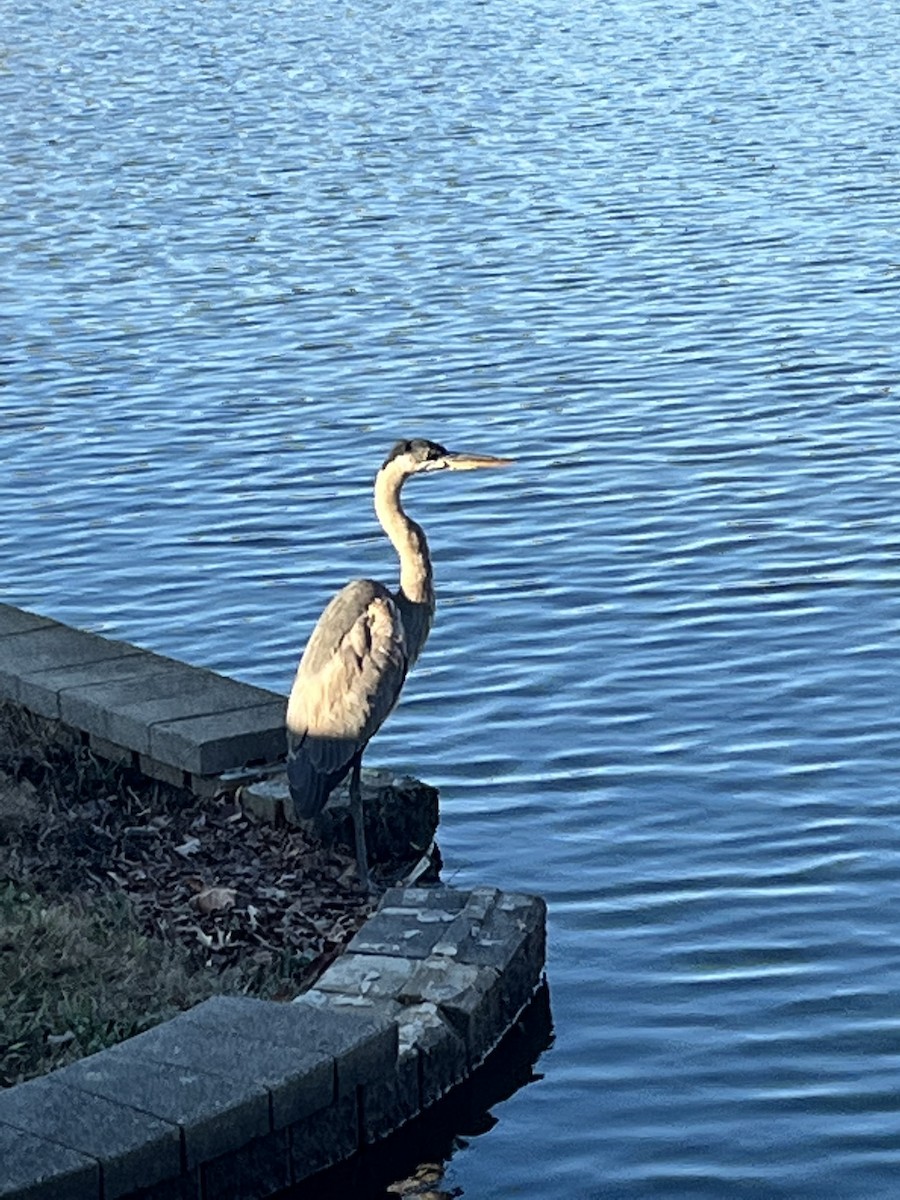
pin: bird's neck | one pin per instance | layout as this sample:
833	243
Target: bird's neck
407	538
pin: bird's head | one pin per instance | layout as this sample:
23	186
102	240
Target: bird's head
419	456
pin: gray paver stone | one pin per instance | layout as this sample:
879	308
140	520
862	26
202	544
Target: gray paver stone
17	620
40	690
370	1059
124	710
468	998
215	1114
371	1008
444	898
264	801
391	1101
185	1187
438	980
297	1081
379	976
132	1147
324	1138
259	1169
154	769
403	931
34	1169
111	751
440	1052
362	1046
48	648
207	743
511	939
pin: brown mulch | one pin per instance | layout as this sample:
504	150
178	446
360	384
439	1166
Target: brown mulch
231	889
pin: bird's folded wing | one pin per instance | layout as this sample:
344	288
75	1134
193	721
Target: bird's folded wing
349	678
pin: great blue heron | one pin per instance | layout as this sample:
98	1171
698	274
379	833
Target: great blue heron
356	660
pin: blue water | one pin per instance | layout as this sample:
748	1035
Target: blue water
651	250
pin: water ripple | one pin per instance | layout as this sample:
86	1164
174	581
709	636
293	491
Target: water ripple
650	251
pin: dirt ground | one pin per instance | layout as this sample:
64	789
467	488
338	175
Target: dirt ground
123	900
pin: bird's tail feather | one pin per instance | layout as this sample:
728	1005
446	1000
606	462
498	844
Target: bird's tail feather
309	788
315	767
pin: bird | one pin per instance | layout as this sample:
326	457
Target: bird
364	644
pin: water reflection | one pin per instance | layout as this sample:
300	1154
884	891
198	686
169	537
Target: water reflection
411	1162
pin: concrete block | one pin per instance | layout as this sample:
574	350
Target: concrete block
439	980
510	938
370	1059
272	790
391	1101
481	1015
133	1148
381	977
270	799
440	1053
206	743
123	710
229	782
417	994
404	931
17	620
288	1022
34	1169
215	1113
359	1007
324	1138
39	691
468	998
441	899
115	710
154	769
111	751
401	816
185	1187
265	799
259	1169
361	1030
480	901
362	1045
297	1081
48	648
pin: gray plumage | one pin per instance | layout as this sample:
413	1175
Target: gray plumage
354	665
348	681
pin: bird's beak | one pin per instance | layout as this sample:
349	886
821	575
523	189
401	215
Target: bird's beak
472	462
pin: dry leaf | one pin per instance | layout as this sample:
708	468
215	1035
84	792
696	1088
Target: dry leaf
215	899
186	849
60	1039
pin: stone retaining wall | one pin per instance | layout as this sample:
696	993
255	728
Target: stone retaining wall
238	1098
181	724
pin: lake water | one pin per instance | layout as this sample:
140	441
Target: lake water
649	248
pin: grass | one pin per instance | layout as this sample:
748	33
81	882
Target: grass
76	975
101	931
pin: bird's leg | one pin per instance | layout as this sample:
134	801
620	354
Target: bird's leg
359	827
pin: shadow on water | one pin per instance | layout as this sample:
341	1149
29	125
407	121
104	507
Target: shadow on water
410	1162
